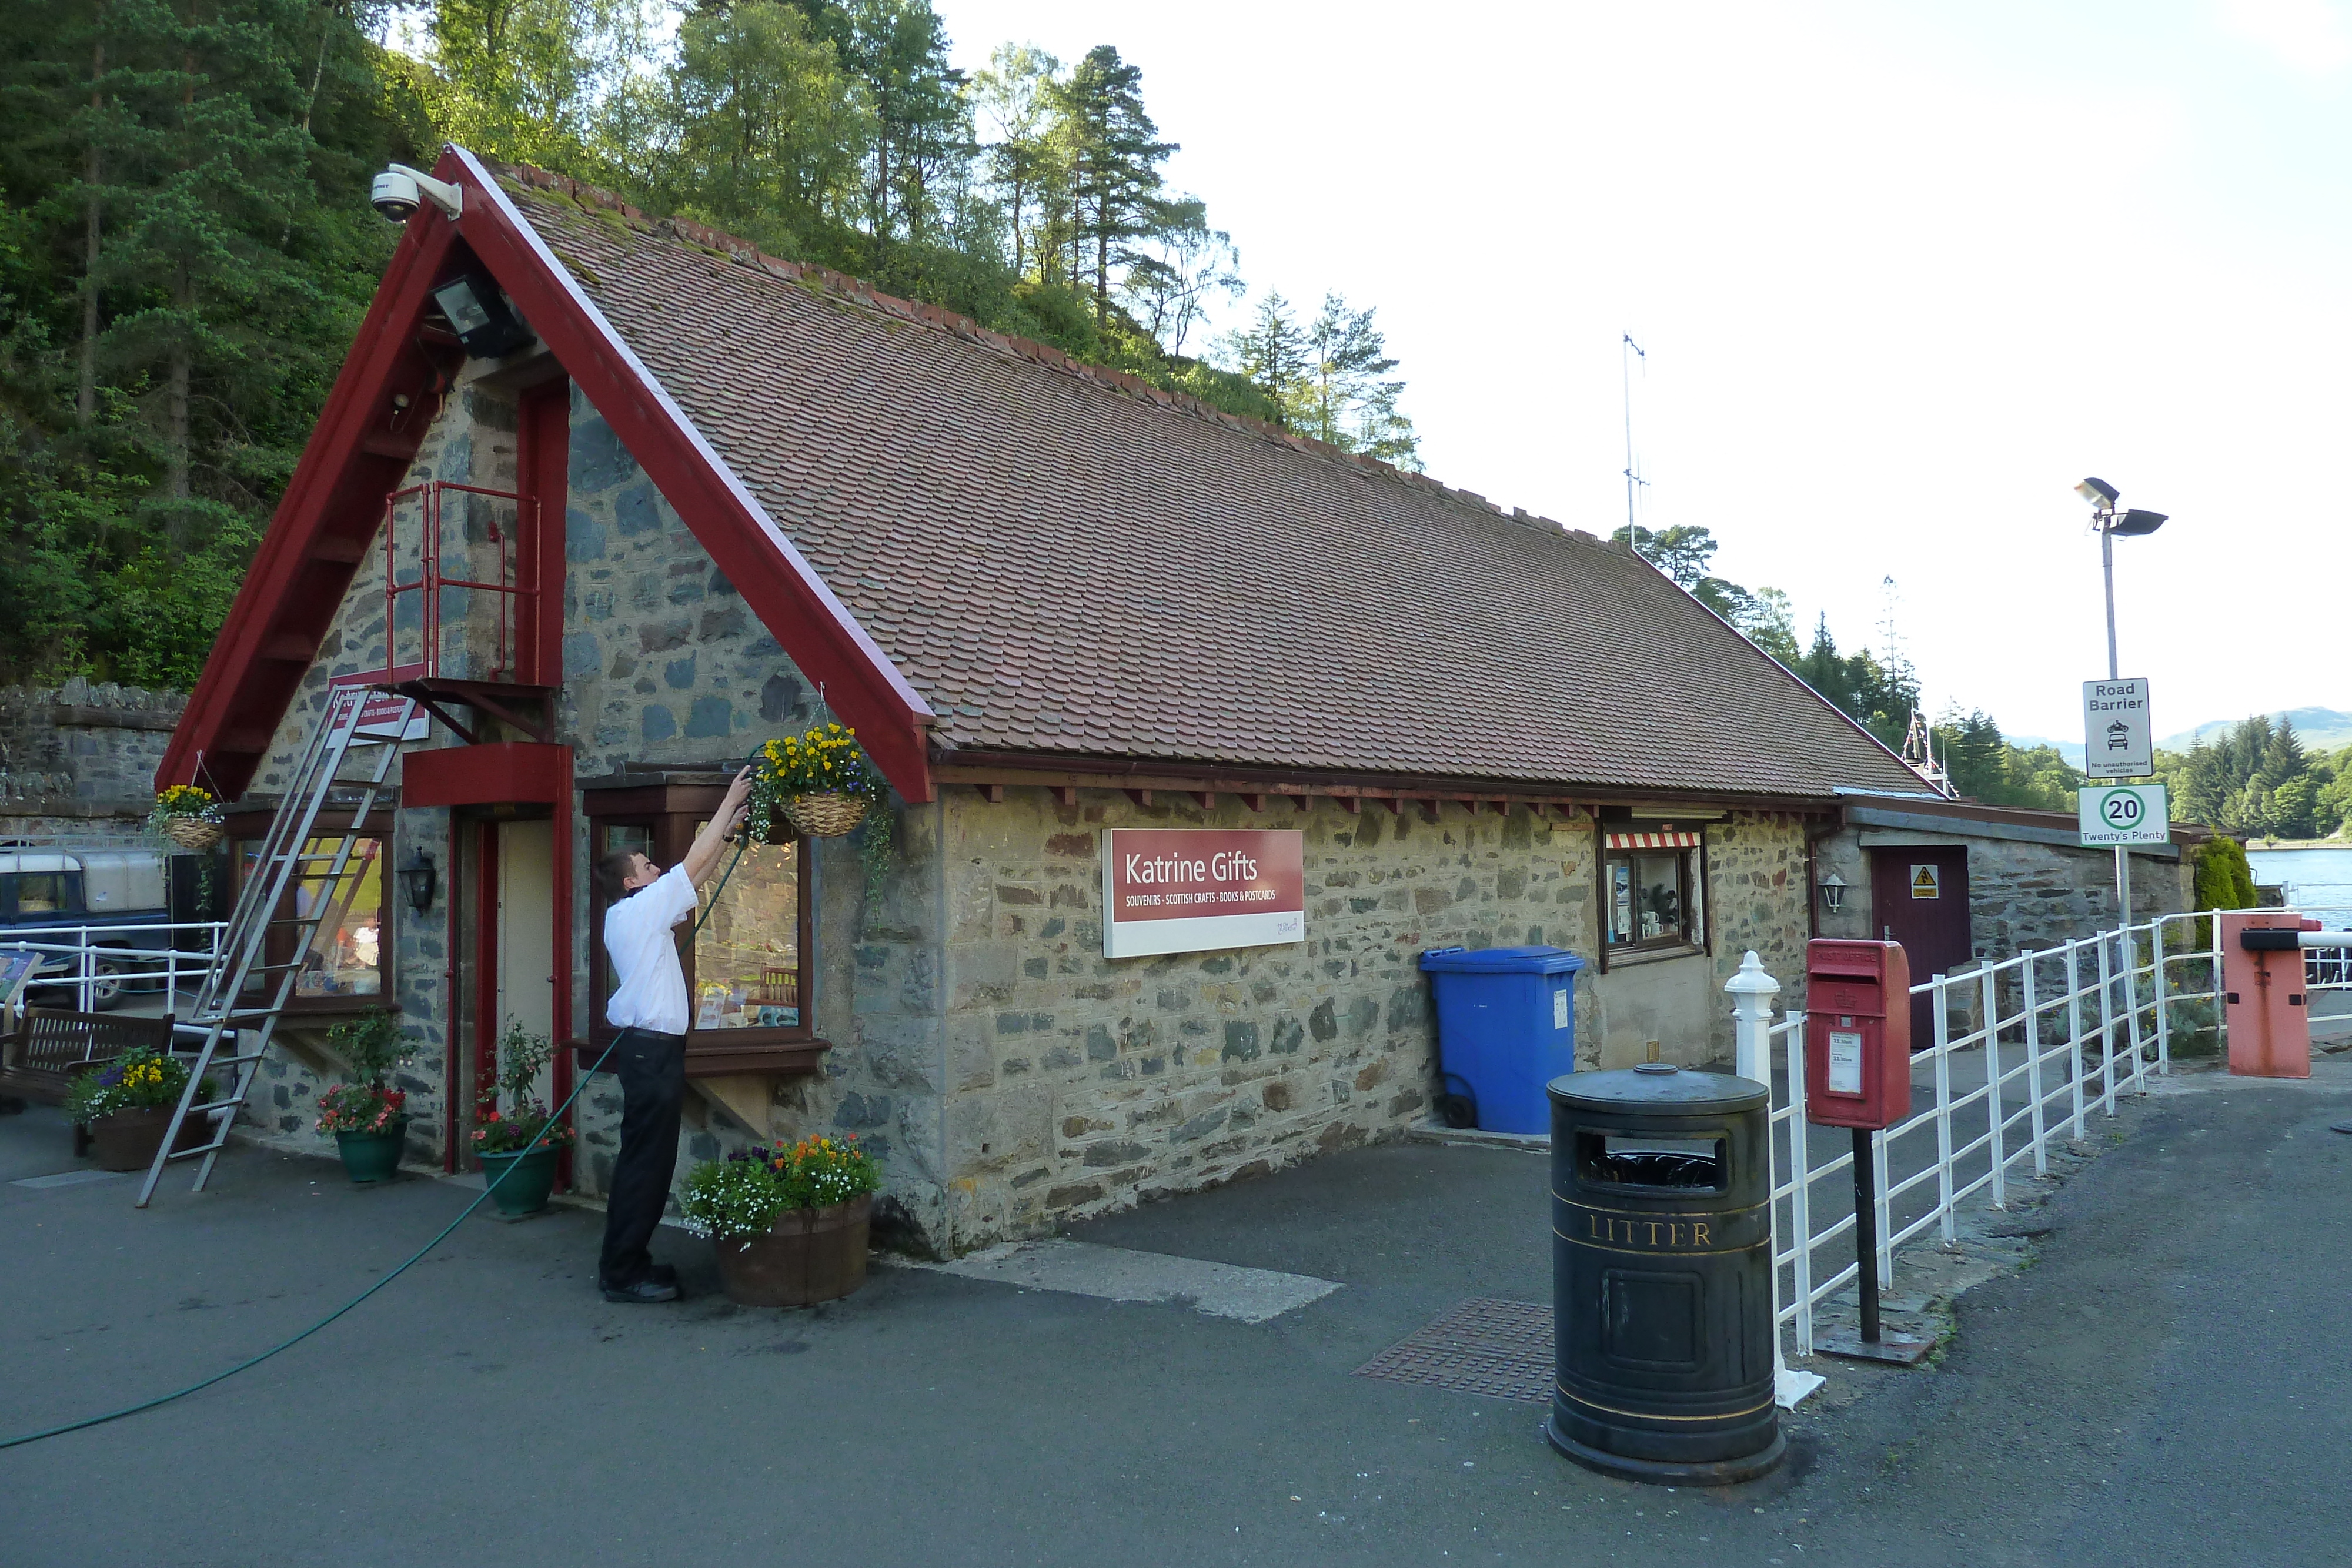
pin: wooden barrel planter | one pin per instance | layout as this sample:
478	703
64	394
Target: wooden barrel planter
809	1255
127	1140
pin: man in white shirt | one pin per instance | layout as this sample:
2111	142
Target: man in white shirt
649	1006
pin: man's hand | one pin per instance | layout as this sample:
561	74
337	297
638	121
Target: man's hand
732	811
702	856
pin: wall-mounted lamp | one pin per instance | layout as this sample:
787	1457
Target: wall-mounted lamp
418	881
1833	888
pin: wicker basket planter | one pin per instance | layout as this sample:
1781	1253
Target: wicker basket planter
194	833
810	1255
822	816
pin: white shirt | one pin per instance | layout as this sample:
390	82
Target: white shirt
652	990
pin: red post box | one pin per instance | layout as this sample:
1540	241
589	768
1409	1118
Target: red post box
1857	1033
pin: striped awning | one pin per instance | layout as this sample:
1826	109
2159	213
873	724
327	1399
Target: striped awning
1668	839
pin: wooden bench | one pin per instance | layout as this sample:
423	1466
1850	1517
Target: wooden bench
40	1059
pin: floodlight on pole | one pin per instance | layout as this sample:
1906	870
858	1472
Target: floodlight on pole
2099	492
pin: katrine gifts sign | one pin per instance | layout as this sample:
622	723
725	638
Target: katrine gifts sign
1195	890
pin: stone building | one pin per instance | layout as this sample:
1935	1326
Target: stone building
1957	881
621	498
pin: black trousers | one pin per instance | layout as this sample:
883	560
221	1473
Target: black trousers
652	1068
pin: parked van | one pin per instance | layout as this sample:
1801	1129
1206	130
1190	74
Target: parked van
41	890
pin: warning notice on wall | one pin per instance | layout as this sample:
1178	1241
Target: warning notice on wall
1927	882
1179	890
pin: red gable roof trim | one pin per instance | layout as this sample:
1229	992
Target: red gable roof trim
243	695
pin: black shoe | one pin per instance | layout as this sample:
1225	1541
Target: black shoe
646	1292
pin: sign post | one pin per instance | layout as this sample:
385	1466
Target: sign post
2119	742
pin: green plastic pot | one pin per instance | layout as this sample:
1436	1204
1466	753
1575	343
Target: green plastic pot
373	1157
528	1178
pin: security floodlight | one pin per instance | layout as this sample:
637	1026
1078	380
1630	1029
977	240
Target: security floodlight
2099	492
478	313
2137	522
400	190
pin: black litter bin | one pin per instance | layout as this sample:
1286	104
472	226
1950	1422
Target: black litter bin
1662	1275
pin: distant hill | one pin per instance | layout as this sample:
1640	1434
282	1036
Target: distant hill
2319	729
2071	750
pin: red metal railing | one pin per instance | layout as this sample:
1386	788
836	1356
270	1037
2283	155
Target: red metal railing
506	657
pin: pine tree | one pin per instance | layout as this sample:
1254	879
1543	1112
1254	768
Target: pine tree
1115	155
1015	95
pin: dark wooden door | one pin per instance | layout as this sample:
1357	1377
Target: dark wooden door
1919	897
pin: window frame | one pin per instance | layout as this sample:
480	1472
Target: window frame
669	812
1691	884
253	828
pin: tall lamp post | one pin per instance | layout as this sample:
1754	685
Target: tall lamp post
2109	522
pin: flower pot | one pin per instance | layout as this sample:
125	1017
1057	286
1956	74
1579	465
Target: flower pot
127	1140
194	833
521	1182
810	1255
373	1157
825	816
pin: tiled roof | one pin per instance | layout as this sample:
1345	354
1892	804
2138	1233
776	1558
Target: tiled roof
1065	560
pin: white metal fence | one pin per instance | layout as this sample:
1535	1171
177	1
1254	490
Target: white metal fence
98	963
2022	1052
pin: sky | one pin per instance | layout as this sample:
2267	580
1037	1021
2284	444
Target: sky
1904	274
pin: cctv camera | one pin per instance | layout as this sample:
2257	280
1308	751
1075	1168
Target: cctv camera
395	195
400	190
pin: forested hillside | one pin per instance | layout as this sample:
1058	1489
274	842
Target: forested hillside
186	246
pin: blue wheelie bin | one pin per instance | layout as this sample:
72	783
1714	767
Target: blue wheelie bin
1505	1027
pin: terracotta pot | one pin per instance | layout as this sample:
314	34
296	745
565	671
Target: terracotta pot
810	1255
127	1140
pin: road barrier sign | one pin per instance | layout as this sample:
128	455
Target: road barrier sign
2112	814
2118	733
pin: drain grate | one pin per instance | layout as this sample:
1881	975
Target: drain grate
1500	1349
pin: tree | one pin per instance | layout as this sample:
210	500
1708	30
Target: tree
1015	95
178	292
767	134
2256	780
1685	552
1167	289
1271	351
1345	395
922	127
1114	153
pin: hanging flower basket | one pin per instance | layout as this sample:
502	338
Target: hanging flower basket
819	784
187	816
824	816
194	833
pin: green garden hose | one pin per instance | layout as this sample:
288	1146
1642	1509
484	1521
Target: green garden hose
288	1343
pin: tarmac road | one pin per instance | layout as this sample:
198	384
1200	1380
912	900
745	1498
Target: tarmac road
2167	1384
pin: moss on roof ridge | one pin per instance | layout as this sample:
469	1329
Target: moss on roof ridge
526	181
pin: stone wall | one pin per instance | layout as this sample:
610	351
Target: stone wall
1080	1083
78	760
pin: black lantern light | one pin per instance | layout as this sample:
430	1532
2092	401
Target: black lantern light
418	880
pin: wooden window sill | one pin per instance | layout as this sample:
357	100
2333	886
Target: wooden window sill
707	1058
1626	957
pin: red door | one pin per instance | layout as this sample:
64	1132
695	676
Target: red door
1919	897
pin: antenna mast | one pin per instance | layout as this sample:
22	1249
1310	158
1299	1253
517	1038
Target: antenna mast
1633	479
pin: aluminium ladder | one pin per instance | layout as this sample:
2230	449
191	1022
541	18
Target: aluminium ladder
247	988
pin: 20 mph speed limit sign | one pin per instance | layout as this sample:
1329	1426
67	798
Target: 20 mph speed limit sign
2123	814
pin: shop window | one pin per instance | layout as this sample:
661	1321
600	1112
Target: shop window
342	962
746	966
1650	890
